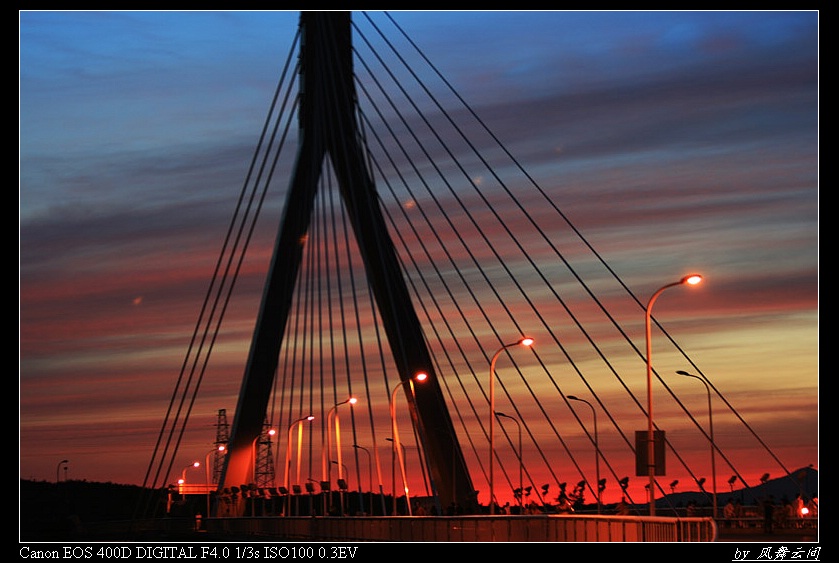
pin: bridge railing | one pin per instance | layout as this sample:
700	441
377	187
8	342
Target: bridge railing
541	528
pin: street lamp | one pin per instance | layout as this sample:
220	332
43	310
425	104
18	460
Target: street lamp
521	462
596	447
692	279
711	435
333	412
369	473
58	467
182	480
220	448
195	464
419	377
524	342
299	421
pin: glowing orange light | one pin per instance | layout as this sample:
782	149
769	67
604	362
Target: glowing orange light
692	279
526	341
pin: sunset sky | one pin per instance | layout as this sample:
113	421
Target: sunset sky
675	141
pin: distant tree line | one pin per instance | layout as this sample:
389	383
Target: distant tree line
58	511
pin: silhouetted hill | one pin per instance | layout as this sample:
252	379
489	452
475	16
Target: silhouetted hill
804	481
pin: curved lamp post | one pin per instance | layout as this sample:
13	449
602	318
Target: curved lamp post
596	448
526	341
299	421
419	377
370	475
182	480
378	476
288	454
692	279
195	464
521	461
333	413
58	467
711	435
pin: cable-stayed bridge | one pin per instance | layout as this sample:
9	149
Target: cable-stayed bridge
413	241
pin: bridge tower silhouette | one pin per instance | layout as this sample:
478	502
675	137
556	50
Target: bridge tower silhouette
328	129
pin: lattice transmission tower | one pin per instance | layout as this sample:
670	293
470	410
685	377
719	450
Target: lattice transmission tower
222	437
264	458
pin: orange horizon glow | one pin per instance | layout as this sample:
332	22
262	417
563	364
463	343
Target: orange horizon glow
123	214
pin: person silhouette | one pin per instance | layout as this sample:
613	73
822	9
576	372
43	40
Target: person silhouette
729	512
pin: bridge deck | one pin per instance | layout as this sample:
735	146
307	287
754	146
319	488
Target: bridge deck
544	528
